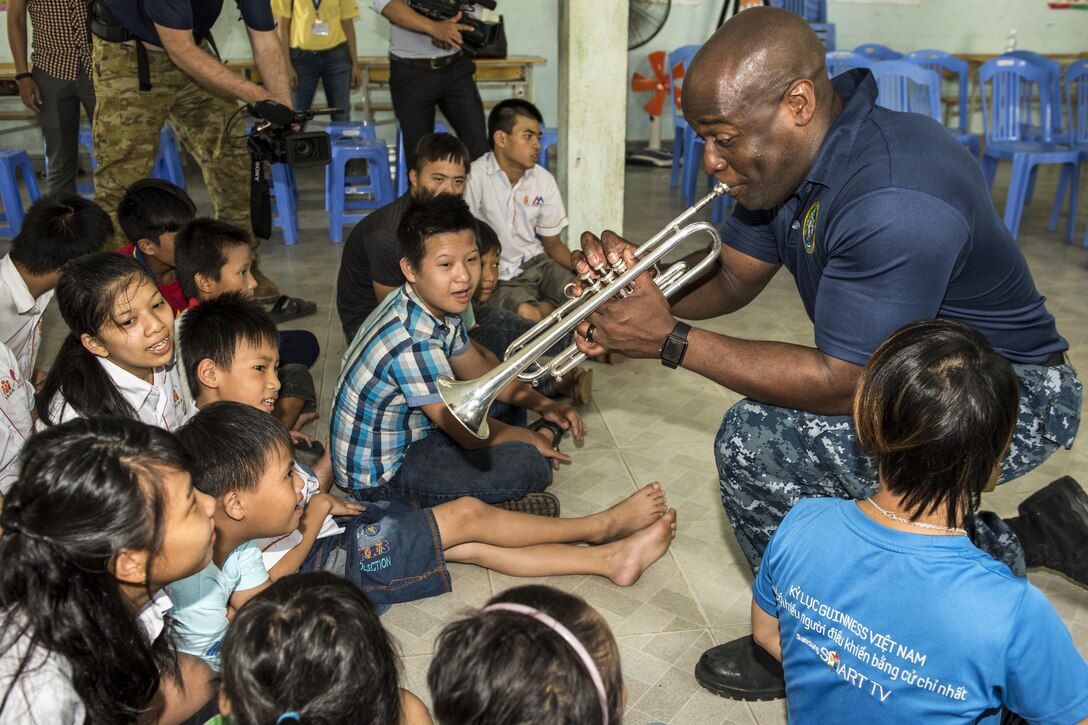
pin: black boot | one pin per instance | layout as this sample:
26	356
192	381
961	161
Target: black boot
741	670
1053	529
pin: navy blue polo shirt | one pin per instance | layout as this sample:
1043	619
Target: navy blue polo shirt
894	224
140	16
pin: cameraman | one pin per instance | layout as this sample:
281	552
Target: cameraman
153	64
428	69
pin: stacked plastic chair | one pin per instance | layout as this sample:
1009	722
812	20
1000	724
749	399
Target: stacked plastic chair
1053	71
345	204
945	63
1076	104
683	135
1003	83
904	86
815	14
840	61
168	161
878	52
15	162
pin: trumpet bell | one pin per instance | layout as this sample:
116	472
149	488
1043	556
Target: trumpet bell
468	407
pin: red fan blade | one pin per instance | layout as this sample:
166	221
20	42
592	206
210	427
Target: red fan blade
678	71
640	82
657	63
656	104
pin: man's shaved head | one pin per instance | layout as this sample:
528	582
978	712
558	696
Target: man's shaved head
757	92
756	55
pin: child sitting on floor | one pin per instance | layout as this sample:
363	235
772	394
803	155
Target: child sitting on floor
118	357
283	664
215	257
54	232
151	213
392	436
230	348
532	655
392	551
882	610
103	516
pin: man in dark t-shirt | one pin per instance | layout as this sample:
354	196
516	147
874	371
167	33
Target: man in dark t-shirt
883	219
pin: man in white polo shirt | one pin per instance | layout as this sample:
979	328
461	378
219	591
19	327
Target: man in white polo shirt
521	202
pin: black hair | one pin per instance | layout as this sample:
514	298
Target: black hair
214	329
86	293
201	248
440	147
313	644
937	407
152	207
86	490
504	116
428	214
230	444
487	240
56	230
505	667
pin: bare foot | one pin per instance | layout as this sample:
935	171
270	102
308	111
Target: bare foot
634	513
633	555
304	419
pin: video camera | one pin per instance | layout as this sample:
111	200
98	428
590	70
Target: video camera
481	34
273	140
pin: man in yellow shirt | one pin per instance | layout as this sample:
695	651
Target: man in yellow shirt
319	38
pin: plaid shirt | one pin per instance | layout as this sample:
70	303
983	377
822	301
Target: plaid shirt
389	373
61	44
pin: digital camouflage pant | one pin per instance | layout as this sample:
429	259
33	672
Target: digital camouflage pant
127	122
769	458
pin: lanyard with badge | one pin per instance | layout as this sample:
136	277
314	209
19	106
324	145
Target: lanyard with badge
320	27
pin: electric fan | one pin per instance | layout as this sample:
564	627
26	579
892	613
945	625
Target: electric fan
662	87
645	18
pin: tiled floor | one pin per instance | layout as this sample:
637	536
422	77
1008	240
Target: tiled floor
649	423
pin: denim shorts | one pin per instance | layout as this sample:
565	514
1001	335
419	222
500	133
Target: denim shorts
391	551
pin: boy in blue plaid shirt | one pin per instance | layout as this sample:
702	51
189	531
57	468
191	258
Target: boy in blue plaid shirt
392	436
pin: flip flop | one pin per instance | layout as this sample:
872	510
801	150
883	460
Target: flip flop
291	308
546	427
309	453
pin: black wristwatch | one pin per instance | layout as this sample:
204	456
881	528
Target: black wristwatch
675	345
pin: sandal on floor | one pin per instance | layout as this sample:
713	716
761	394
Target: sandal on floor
541	504
547	428
291	308
308	453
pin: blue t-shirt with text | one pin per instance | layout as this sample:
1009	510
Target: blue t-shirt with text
880	625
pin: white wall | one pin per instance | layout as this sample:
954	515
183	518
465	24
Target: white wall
969	26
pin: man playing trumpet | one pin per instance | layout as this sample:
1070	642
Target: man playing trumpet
882	219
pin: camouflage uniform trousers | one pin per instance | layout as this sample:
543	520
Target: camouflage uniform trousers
127	122
769	458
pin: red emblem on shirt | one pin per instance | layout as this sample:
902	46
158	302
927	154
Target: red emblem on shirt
5	388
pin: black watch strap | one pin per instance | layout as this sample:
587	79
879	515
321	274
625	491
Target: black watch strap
675	345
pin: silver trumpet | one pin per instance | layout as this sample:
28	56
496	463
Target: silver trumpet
469	400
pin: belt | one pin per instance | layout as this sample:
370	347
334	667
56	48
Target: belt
432	63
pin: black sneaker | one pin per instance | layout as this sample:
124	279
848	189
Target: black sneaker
1053	529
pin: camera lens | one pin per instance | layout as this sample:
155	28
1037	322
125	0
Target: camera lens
302	148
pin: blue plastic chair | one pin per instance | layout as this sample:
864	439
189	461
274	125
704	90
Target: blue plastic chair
904	86
168	161
548	137
1076	104
14	161
878	52
402	169
285	200
344	130
815	14
1054	73
1003	81
840	61
345	206
681	131
946	63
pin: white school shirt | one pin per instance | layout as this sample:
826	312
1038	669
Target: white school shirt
273	548
43	693
162	403
517	213
152	616
16	425
20	316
